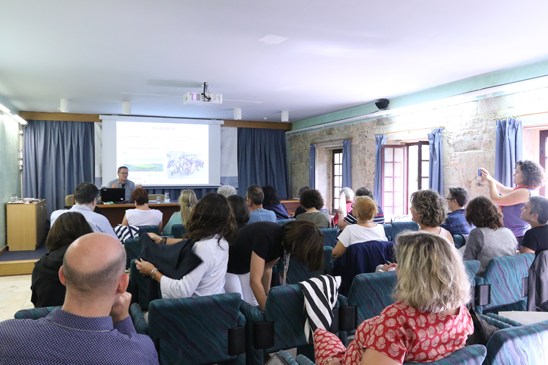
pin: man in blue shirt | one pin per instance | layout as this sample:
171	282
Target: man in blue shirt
93	326
456	221
255	197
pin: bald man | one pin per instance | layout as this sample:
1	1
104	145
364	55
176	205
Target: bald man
93	326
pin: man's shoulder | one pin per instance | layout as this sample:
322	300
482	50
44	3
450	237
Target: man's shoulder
130	184
110	183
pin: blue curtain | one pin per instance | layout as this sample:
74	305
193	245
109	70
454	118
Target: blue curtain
377	188
262	160
57	156
508	149
312	171
347	163
435	182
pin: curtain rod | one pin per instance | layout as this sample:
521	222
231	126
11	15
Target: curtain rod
410	130
332	140
521	115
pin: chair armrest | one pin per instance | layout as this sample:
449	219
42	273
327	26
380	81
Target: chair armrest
494	322
138	319
303	360
509	321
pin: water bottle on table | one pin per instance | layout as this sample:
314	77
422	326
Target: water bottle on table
166	198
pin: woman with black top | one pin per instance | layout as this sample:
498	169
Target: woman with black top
258	247
47	290
272	202
240	210
535	213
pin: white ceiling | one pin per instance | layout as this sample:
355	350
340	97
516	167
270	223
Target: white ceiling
337	55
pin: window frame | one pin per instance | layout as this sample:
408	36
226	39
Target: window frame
333	164
543	135
405	175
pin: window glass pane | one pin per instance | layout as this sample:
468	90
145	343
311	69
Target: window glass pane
338	169
388	210
398	184
424	183
336	202
388	184
338	181
398	169
388	199
388	154
425	152
398	210
388	169
398	200
398	154
336	158
425	165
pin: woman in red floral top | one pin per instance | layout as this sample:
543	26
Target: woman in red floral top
429	319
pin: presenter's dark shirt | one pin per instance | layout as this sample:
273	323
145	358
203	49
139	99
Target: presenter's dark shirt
456	223
65	338
536	239
263	238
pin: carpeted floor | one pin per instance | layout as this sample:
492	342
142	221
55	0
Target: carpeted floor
25	255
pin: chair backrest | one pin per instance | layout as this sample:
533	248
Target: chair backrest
298	272
519	345
505	277
399	227
69	200
151	229
459	240
187	331
361	258
133	250
153	197
281	222
142	287
537	283
469	355
33	313
388	232
371	293
472	268
330	236
178	230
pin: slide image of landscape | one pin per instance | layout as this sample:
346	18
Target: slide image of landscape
145	165
183	165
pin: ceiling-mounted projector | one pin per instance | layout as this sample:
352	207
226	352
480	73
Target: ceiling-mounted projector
200	98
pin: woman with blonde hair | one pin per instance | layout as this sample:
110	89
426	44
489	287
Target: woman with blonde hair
364	209
428	211
429	319
187	201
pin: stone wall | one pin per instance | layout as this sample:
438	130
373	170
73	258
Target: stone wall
468	140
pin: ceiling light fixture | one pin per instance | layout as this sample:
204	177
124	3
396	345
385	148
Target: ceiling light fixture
237	113
285	116
18	119
126	107
64	106
272	39
4	109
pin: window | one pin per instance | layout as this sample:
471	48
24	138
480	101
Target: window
543	156
337	177
405	169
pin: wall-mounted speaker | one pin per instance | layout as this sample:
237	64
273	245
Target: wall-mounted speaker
382	103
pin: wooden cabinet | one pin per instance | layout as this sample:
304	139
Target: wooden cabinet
26	225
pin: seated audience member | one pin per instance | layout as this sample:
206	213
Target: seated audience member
255	197
187	201
300	209
93	326
312	201
142	215
47	290
211	226
427	210
456	222
227	191
122	182
535	213
528	177
350	219
364	209
239	209
85	198
272	202
349	197
431	293
258	247
489	239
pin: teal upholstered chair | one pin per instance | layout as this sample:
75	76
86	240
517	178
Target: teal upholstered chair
279	327
33	313
151	229
178	230
388	232
186	332
142	286
133	250
298	272
281	222
399	227
138	319
472	268
459	240
504	282
371	293
330	236
524	345
471	355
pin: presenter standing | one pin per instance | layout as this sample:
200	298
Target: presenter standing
123	182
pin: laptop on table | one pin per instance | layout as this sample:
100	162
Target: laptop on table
117	195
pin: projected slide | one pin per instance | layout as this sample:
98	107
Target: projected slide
163	153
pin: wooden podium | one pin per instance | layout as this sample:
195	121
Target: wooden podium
26	225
